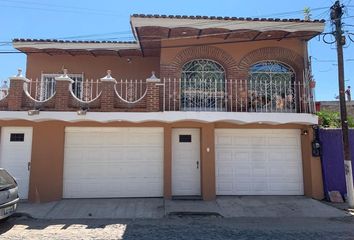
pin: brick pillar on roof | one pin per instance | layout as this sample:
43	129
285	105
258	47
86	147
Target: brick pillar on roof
62	91
16	92
153	94
108	93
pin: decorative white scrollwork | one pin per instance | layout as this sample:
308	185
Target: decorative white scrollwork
4	90
271	87
202	86
130	91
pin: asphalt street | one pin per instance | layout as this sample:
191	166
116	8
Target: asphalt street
180	227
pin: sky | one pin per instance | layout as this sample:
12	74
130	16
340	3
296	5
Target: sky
109	20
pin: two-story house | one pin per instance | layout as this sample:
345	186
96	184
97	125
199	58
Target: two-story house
197	107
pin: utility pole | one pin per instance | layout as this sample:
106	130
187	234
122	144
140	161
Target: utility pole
336	17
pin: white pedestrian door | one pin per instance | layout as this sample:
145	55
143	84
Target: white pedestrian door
15	155
186	162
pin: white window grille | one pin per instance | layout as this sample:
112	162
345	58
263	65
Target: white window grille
47	85
271	87
4	89
202	86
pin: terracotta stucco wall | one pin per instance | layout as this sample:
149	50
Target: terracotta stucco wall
96	67
170	48
312	168
92	67
46	178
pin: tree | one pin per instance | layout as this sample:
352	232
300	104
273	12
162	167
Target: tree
331	119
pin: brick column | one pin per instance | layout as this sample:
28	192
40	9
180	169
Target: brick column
153	94
108	92
16	92
62	91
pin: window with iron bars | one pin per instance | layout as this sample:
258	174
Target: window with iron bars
202	86
48	84
271	87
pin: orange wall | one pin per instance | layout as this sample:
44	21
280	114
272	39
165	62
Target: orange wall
92	67
141	67
170	48
46	177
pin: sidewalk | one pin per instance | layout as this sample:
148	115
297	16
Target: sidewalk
95	209
229	207
342	206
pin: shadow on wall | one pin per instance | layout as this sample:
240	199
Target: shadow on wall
333	160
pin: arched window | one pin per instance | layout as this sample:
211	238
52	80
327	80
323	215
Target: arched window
202	86
271	87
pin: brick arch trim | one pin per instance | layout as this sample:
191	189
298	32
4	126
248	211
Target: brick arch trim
284	55
205	52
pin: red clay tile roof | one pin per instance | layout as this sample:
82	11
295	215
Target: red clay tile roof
69	41
226	18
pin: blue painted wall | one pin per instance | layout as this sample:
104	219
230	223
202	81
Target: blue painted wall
332	159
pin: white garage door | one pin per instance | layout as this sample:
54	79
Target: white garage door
258	162
113	162
15	155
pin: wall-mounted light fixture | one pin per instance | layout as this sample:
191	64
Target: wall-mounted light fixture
316	143
82	112
304	132
33	112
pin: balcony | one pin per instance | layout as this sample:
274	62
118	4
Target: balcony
251	95
65	92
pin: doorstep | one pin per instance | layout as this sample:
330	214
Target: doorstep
180	207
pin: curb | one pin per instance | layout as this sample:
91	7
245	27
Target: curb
191	214
22	214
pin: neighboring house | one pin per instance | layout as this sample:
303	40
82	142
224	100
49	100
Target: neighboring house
227	111
333	106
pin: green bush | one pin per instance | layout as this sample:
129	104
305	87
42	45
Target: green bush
330	119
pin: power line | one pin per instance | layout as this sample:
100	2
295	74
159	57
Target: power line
292	12
222	24
330	61
60	6
336	17
60	10
76	10
161	47
201	23
269	28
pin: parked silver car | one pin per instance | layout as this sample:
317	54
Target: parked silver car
8	194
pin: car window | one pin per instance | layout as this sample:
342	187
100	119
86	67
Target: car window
6	181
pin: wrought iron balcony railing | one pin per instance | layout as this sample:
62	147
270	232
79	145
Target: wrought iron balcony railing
268	95
251	95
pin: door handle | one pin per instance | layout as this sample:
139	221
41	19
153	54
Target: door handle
29	166
197	164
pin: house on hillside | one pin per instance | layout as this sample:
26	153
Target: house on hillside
197	107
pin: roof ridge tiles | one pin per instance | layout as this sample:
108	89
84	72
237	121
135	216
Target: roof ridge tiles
68	41
226	18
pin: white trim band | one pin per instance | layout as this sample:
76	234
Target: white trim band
76	46
168	117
